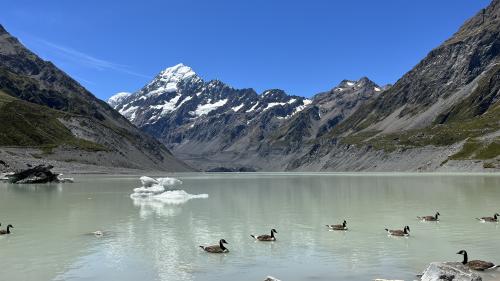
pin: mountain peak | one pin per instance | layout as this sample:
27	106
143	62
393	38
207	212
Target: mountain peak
362	82
117	98
166	81
179	71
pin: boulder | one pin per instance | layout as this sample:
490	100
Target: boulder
449	271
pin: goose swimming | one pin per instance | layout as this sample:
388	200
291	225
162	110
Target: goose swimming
476	264
216	249
266	237
430	218
342	226
2	232
405	232
489	219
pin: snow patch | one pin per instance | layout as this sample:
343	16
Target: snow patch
377	89
130	112
273	104
253	107
167	106
237	108
203	109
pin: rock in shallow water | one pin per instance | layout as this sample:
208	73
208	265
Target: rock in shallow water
456	271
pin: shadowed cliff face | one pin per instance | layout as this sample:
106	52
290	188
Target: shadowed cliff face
50	109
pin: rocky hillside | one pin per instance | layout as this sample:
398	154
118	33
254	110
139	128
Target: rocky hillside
442	114
43	108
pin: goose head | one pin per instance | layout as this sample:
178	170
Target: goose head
274	231
223	241
407	228
10	226
496	215
437	214
344	223
463	253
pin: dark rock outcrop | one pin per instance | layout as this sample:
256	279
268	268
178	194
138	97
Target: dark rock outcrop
37	174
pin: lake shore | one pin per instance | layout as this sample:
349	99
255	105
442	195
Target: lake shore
82	162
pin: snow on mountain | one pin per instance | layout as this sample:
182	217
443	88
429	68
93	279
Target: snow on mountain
167	80
117	98
204	109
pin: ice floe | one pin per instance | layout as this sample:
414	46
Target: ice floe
162	191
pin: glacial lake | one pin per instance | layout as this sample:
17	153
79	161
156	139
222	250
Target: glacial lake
156	240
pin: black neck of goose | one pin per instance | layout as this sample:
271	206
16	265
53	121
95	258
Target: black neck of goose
405	230
496	217
222	245
8	229
436	216
272	234
344	224
466	259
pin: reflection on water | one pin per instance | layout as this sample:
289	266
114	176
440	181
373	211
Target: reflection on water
154	239
149	206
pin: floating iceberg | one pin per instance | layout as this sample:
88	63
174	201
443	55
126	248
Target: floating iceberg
161	191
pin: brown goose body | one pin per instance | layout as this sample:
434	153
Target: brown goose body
489	219
6	231
266	237
216	249
476	264
430	218
342	226
399	232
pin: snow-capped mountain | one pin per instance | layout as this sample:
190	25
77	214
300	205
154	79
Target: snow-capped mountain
178	91
211	124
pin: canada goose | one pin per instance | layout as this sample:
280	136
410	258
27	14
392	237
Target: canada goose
476	264
398	232
430	218
216	248
98	233
2	232
342	226
489	219
265	237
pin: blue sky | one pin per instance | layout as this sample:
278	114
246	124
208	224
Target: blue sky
303	47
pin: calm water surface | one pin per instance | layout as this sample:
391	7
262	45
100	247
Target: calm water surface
159	241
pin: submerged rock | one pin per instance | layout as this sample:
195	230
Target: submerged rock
456	271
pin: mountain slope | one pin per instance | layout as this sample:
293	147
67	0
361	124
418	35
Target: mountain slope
44	108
